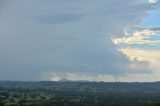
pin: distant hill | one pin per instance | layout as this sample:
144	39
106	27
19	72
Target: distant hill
66	80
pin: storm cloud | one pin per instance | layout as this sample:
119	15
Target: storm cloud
56	39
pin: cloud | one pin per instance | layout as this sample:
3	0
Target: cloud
81	76
134	77
138	37
59	18
53	76
153	1
141	55
137	51
66	37
135	46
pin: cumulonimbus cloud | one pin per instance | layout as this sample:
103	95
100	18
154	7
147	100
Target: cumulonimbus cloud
65	36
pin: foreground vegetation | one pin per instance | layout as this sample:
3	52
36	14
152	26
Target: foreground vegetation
79	94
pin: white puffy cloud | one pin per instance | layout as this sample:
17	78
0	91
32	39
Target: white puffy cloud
138	37
141	56
150	56
153	1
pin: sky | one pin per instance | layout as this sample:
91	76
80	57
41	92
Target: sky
94	40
